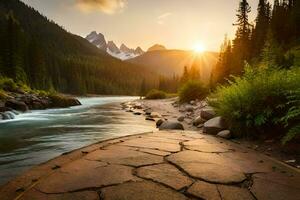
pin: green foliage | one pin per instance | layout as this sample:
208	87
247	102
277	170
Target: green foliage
7	84
192	90
156	94
38	52
255	103
292	118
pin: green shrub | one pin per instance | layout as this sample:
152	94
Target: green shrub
256	102
8	84
156	94
192	90
292	118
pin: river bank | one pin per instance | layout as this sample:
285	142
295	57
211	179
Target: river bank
36	136
193	117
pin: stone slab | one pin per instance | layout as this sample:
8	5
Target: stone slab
204	190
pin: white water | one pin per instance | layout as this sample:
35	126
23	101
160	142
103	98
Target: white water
35	137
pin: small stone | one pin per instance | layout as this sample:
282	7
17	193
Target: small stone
155	115
198	120
150	119
189	108
180	119
225	134
137	113
171	126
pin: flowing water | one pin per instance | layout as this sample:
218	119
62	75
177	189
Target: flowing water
37	136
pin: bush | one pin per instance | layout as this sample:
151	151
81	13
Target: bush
156	94
192	90
256	102
8	84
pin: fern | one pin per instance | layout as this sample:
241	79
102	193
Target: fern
292	118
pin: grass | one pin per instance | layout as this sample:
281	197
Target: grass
156	94
192	90
255	104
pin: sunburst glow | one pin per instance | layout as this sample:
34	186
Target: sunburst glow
199	47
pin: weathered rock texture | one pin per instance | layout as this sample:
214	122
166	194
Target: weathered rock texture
164	165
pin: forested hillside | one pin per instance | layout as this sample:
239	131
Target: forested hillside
172	62
37	52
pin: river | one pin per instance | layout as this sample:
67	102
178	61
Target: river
37	136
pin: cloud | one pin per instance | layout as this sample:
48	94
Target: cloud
106	6
161	19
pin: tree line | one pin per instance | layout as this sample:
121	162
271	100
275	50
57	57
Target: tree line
37	52
264	43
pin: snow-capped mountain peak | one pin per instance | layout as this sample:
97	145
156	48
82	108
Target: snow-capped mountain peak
122	53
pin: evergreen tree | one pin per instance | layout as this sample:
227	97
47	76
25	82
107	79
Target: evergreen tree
185	76
261	29
241	44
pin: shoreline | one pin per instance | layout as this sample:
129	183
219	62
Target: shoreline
32	178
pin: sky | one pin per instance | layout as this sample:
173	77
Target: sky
177	24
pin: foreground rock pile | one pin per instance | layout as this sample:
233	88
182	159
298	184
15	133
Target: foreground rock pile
22	102
165	165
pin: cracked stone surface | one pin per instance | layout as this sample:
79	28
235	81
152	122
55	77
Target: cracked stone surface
166	174
158	144
85	174
204	190
162	166
145	190
85	195
234	193
205	146
125	157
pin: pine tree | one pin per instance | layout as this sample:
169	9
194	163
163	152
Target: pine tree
185	76
241	44
261	29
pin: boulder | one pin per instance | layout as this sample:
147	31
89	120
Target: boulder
4	109
226	134
16	105
198	120
166	125
159	122
214	126
207	113
155	115
193	102
59	101
180	119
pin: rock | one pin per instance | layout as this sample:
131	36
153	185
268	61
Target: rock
59	101
225	134
214	126
180	119
207	113
16	105
198	120
155	115
137	113
193	102
171	126
148	111
137	106
5	109
150	119
8	115
159	122
189	108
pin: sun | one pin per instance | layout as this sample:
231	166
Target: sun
199	47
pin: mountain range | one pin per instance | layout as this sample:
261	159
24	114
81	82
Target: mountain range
123	52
